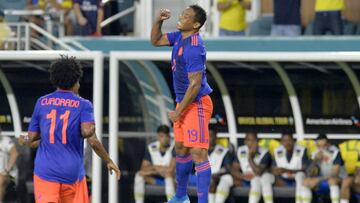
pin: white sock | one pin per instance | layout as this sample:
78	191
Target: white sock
255	190
223	188
299	179
306	194
211	197
169	188
139	188
334	193
344	201
266	187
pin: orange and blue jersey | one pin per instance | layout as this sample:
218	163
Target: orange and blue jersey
58	117
188	55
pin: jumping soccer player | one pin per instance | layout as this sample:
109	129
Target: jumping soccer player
194	106
61	121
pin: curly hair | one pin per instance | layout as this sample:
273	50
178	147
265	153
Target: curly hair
65	72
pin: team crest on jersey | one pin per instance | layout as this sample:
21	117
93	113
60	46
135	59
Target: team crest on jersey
154	148
298	152
280	153
220	150
180	51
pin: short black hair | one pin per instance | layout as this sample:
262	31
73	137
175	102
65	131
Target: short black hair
65	72
322	137
163	129
287	134
200	14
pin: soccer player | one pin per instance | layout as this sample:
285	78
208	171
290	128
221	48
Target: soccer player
61	121
220	159
290	163
328	160
249	169
158	166
194	106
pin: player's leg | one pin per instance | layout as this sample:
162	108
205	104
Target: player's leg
299	180
169	185
4	181
46	191
308	185
196	126
223	188
334	189
267	180
139	188
213	184
255	190
346	186
184	164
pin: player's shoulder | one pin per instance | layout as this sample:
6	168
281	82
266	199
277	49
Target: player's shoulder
153	145
83	101
196	41
299	147
333	149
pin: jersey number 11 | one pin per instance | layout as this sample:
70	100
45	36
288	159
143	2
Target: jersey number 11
52	117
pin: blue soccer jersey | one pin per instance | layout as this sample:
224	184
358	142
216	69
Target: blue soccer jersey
188	55
58	117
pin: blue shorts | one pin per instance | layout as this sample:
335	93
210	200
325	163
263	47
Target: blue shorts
245	183
192	180
159	180
323	187
289	182
357	195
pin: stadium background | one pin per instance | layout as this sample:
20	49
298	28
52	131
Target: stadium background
261	88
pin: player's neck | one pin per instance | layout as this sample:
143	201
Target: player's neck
186	34
63	90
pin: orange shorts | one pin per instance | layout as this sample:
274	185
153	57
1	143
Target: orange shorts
193	127
46	191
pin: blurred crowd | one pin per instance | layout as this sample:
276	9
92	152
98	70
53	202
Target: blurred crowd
276	18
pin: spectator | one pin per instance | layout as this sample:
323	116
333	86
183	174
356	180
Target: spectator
8	170
64	6
232	19
328	161
5	31
328	17
249	170
89	14
290	163
158	166
286	18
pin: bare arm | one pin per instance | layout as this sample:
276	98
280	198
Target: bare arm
221	6
88	132
246	4
79	16
258	169
147	168
13	156
29	139
192	91
235	171
157	37
100	18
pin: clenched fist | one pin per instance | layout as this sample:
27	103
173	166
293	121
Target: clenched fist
164	14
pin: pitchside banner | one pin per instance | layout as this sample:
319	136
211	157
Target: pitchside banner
312	124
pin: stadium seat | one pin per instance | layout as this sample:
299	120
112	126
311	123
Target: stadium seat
270	144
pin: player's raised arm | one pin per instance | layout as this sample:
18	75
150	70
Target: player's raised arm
157	37
88	132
